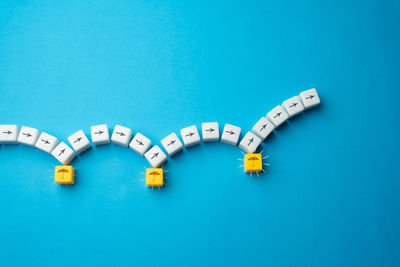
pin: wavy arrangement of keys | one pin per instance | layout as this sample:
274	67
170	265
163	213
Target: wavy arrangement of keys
100	135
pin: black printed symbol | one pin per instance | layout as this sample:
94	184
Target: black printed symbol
139	142
27	134
310	97
8	132
190	134
263	127
45	141
155	155
230	132
210	130
278	114
172	142
250	141
99	132
121	133
293	105
78	139
61	152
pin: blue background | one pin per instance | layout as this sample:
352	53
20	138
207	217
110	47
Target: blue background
330	197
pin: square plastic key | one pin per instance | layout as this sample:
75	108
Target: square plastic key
155	156
293	106
9	134
46	142
252	163
100	134
64	175
172	144
154	177
230	134
250	142
140	143
121	135
28	136
210	131
63	153
277	116
190	136
79	142
310	98
263	128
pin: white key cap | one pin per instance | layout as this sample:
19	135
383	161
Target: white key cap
140	143
63	153
210	131
250	142
231	134
100	134
121	135
277	116
190	136
310	98
155	156
46	142
79	142
9	134
263	128
172	144
293	106
28	136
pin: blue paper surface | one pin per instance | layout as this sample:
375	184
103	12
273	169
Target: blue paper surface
330	196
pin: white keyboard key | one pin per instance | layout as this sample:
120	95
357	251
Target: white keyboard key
28	136
231	134
250	142
172	144
121	135
210	131
9	134
46	142
263	128
100	134
155	156
277	116
293	106
79	142
310	98
190	136
140	143
63	153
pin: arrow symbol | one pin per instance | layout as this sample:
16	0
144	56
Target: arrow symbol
99	132
310	97
61	152
139	142
210	130
27	134
78	139
278	114
172	142
45	141
230	132
250	141
293	105
8	132
263	127
190	134
121	133
155	155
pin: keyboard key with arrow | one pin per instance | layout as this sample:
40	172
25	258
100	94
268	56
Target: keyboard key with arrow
310	98
9	134
190	136
46	142
100	134
210	131
28	136
155	156
121	135
230	134
277	116
172	144
140	143
63	153
293	106
79	142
